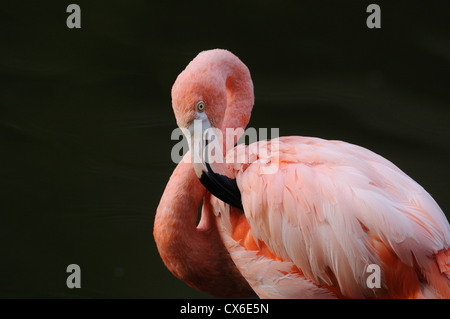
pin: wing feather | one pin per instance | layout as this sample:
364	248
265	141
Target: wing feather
328	204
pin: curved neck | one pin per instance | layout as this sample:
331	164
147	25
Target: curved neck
194	254
240	98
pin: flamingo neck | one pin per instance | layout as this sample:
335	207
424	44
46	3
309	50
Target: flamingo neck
240	99
194	254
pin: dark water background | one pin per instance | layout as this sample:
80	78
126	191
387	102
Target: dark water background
85	117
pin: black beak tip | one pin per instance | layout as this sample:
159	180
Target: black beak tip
223	187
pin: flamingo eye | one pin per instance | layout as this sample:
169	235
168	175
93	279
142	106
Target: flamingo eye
200	106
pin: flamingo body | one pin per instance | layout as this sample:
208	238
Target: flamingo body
311	228
330	210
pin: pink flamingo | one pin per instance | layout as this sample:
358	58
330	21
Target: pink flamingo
311	229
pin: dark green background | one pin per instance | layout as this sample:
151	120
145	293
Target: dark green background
85	117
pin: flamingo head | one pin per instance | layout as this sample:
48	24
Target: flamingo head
199	88
213	93
218	82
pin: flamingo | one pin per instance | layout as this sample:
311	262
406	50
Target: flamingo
309	230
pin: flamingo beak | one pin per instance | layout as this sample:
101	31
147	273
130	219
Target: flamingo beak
209	164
